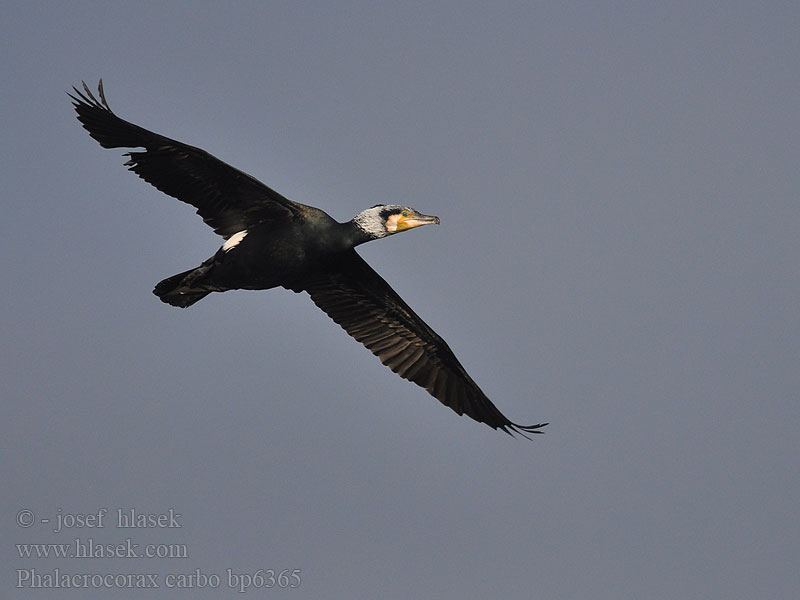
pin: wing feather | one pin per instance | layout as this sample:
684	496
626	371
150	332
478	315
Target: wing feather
227	199
359	300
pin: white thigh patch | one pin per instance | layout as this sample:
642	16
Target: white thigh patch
233	241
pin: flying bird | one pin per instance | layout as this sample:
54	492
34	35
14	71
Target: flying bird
271	241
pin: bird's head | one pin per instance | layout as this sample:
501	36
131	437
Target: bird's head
385	219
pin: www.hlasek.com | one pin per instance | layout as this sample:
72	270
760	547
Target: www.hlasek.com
197	579
89	548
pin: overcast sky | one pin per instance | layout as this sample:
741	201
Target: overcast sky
618	255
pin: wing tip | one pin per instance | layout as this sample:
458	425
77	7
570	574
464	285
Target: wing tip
513	429
86	97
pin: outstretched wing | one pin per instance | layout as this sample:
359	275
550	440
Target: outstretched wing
227	199
359	300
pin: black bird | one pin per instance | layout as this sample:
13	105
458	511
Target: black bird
271	241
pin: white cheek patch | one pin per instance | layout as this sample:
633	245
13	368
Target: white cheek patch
233	241
391	223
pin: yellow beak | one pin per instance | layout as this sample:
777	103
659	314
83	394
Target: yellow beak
415	220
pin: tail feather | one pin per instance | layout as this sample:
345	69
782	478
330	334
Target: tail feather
182	290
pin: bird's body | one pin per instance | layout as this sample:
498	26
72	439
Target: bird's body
271	241
265	256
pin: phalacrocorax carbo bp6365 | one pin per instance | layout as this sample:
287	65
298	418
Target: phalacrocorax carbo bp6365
271	241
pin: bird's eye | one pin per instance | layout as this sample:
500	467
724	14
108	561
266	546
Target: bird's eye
405	213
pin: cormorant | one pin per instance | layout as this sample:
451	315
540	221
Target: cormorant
271	241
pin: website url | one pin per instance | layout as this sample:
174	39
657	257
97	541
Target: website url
88	548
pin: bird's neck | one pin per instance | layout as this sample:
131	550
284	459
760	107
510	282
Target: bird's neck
354	235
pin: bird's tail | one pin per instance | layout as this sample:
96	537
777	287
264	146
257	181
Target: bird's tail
184	289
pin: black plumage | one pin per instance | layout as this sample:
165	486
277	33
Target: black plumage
272	241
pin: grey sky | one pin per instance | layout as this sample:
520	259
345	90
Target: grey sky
618	255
